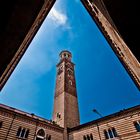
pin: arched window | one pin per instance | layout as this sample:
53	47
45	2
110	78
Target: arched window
40	135
41	132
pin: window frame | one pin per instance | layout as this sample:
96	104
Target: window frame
137	126
88	137
22	133
110	133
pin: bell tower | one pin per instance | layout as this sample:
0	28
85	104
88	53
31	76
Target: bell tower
66	112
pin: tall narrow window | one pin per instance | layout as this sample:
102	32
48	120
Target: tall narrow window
22	133
106	134
19	132
27	133
137	126
88	137
84	138
91	136
1	124
110	133
114	132
48	137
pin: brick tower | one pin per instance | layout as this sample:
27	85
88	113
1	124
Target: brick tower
66	112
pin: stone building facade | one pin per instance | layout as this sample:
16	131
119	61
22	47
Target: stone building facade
65	124
123	125
18	125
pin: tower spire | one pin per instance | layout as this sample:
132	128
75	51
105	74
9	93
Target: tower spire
66	112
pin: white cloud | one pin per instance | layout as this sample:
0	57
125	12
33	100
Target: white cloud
57	17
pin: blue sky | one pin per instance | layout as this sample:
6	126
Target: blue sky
102	82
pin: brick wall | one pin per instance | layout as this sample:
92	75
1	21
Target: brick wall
124	126
11	121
